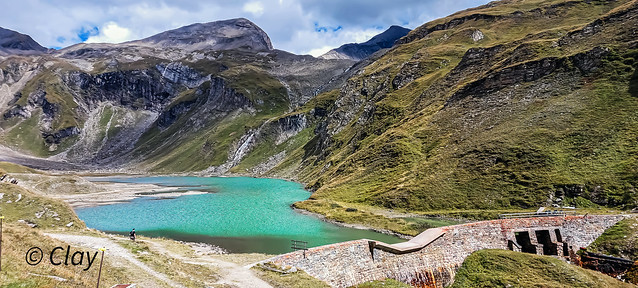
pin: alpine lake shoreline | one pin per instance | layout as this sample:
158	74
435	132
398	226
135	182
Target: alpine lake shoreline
82	190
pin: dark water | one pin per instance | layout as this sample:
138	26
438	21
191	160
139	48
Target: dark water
240	214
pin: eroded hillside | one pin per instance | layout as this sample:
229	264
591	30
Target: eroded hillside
152	106
510	105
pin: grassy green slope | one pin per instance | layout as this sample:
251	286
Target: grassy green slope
434	144
621	240
184	148
502	268
51	215
18	238
181	147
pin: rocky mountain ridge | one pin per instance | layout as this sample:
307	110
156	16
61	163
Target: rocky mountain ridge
137	103
12	42
219	35
360	51
470	112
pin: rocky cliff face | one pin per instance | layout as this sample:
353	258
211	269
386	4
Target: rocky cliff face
468	112
136	105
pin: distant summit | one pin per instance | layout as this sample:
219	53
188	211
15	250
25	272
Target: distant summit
360	51
230	34
12	42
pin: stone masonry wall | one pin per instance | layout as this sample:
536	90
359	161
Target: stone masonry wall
350	263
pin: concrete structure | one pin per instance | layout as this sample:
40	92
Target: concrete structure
432	260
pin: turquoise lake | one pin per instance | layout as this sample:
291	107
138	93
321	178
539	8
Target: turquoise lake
240	214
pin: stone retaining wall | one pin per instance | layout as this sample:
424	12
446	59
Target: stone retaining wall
350	263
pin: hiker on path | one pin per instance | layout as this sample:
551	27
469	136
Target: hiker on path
132	234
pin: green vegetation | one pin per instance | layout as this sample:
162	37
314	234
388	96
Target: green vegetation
267	147
621	240
503	268
185	147
8	167
435	146
175	149
55	93
26	136
29	216
540	111
357	214
337	212
21	204
287	280
18	237
388	283
258	86
189	275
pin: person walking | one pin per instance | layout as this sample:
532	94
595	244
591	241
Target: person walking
132	234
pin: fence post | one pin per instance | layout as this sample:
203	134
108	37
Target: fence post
1	218
297	245
99	273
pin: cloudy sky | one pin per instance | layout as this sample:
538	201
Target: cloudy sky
299	26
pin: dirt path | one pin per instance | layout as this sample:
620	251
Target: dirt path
114	250
230	273
9	155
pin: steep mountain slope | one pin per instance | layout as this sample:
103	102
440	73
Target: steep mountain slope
509	105
12	42
156	104
359	51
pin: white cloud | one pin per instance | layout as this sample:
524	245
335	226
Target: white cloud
319	51
111	32
255	8
291	24
307	40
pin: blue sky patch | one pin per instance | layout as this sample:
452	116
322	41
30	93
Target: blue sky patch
323	29
84	33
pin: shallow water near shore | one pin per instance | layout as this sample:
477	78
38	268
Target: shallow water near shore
240	214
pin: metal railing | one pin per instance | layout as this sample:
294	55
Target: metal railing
299	245
536	214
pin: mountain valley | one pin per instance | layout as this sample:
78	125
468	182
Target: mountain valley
507	106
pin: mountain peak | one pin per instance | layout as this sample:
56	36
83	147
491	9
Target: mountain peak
239	33
359	51
12	42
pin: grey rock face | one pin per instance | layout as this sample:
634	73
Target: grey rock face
585	62
180	74
12	42
136	88
477	35
220	35
305	76
290	126
170	86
